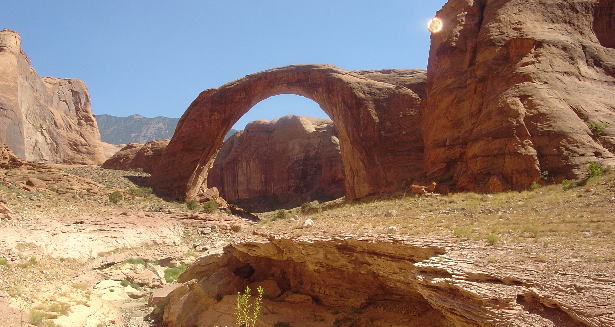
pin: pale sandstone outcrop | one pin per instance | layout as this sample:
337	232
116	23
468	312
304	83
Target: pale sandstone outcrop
44	119
512	87
387	281
280	164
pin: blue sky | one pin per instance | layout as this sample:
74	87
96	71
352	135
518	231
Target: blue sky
154	57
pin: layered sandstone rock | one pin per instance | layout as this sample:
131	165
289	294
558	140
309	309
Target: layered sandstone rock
376	114
137	156
44	119
385	282
517	88
282	163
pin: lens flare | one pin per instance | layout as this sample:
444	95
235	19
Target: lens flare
435	25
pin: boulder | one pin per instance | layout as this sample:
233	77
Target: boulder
137	156
44	119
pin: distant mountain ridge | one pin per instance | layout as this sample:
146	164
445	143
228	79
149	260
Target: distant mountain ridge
137	128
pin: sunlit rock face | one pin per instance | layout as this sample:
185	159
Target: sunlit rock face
44	119
513	89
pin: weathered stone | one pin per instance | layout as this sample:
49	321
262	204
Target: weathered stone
513	86
44	119
280	164
376	114
137	156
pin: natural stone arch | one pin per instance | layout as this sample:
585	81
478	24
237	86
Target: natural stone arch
376	113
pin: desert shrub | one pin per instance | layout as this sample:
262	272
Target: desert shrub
210	206
544	175
116	197
172	274
310	207
568	184
142	192
281	214
594	170
597	128
136	261
492	239
247	309
534	186
125	283
192	205
36	317
4	262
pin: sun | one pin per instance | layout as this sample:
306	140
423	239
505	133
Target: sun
435	25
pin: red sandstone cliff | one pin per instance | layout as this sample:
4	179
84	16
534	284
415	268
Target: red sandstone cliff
44	119
282	163
516	88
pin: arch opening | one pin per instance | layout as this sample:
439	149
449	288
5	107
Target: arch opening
376	113
285	151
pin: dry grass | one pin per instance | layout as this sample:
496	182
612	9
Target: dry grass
582	217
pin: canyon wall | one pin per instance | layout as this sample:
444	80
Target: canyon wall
280	164
44	119
519	89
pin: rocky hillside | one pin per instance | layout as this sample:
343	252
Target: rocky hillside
44	119
136	128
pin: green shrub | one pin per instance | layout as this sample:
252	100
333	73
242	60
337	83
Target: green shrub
544	175
310	207
125	283
594	170
142	192
281	214
534	186
568	184
116	197
492	239
172	274
136	261
247	309
192	205
210	206
597	128
4	262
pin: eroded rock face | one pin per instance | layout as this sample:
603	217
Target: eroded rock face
137	156
376	114
389	282
514	87
44	119
280	164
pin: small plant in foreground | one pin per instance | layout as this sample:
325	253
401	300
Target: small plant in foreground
310	207
192	205
126	283
172	274
116	197
594	170
4	262
544	175
597	128
248	309
210	206
136	261
568	184
492	239
281	214
534	186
